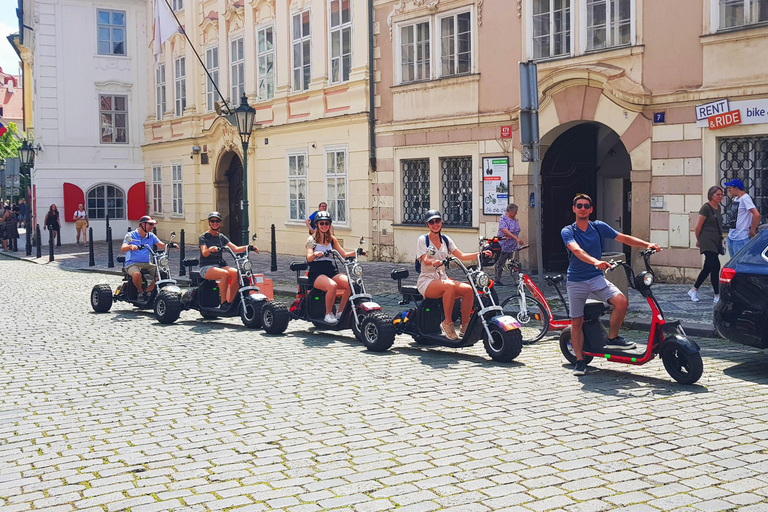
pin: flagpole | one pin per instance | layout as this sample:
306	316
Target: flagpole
215	86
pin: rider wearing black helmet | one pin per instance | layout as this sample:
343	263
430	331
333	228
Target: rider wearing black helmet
433	282
322	270
212	265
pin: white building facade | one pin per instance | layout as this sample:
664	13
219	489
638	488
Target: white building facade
89	103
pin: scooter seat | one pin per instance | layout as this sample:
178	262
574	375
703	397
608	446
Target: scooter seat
554	279
303	280
298	266
412	292
194	274
121	259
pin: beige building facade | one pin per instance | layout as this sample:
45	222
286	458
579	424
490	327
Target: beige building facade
303	66
619	83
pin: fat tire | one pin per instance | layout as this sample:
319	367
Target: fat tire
565	347
532	334
101	298
377	332
275	317
167	307
250	313
505	346
683	367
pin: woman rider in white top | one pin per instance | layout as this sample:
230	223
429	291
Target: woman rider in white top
433	282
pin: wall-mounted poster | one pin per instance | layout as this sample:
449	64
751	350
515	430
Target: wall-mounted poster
495	185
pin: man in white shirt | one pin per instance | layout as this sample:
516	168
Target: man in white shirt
747	217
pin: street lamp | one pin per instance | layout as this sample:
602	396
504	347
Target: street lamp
26	154
244	117
26	161
2	171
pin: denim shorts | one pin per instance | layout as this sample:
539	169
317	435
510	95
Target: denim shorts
204	270
579	291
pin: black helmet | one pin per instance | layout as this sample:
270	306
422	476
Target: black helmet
324	215
214	215
432	214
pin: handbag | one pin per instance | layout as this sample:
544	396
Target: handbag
722	248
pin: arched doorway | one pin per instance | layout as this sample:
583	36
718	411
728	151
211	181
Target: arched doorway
589	158
229	194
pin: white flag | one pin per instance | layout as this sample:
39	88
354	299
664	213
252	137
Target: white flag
165	26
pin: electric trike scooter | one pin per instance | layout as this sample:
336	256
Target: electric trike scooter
500	333
102	296
668	340
370	325
253	307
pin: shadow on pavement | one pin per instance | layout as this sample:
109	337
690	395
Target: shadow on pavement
754	371
604	381
442	357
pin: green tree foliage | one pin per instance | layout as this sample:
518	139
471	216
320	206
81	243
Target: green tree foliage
10	142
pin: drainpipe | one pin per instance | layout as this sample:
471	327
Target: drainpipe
371	89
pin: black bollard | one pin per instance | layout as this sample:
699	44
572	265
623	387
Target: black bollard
273	267
39	241
91	259
29	239
58	237
110	259
182	255
107	225
50	245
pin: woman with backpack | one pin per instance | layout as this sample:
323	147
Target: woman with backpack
709	240
433	281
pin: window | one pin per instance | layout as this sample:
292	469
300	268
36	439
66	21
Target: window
456	44
297	186
111	28
302	42
457	190
160	91
180	83
737	13
336	183
177	4
178	198
609	23
341	41
266	63
114	118
415	52
415	190
157	189
212	65
746	159
106	200
237	59
551	28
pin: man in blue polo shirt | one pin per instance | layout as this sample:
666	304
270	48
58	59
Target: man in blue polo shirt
584	240
137	257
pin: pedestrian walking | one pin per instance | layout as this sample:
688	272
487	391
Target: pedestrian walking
509	232
51	221
743	217
81	223
10	220
23	208
709	240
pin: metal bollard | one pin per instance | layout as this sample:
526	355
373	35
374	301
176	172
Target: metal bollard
273	247
38	241
182	255
50	245
29	239
58	238
110	259
91	259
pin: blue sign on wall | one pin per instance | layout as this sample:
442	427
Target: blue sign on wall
659	117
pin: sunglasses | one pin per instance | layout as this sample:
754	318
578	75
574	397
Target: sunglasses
214	222
584	206
324	223
434	221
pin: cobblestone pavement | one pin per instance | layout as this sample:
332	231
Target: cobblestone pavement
110	412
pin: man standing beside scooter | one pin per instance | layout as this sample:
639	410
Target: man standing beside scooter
584	241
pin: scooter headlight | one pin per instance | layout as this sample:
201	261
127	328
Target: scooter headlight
246	266
648	279
163	261
643	280
482	280
357	271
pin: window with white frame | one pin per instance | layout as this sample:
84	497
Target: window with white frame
111	32
177	185
738	13
455	44
415	52
609	23
105	200
297	186
237	68
301	43
113	111
336	183
551	28
160	91
157	189
180	83
341	40
177	4
212	65
265	50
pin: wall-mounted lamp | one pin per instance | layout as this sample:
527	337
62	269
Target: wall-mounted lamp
195	149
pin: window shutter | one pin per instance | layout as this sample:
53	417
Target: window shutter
73	196
137	201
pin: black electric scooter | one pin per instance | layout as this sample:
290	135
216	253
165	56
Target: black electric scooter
500	333
371	326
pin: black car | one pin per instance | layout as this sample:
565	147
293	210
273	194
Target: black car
742	313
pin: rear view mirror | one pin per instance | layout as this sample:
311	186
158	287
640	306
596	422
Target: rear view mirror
311	244
254	237
431	251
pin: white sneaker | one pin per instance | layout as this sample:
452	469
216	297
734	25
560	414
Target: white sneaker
338	314
717	299
330	318
694	295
